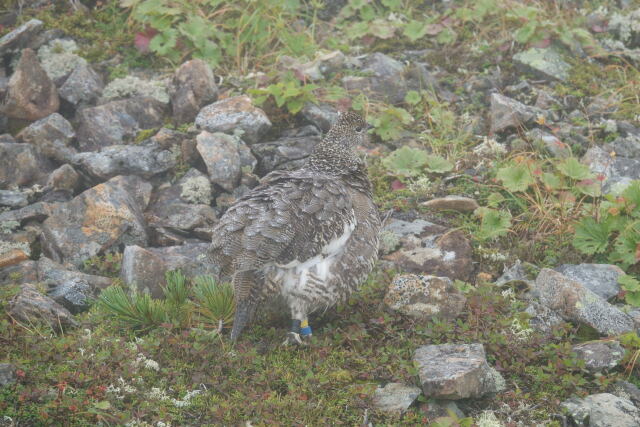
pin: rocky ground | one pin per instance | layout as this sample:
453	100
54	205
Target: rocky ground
505	156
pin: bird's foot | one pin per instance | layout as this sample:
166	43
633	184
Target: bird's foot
294	338
300	333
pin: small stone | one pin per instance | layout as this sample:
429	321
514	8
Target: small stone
602	279
193	87
545	141
98	219
7	374
20	165
434	409
321	116
625	146
289	152
575	302
64	178
385	81
456	371
395	397
38	211
231	114
452	203
602	410
74	294
546	63
20	37
508	113
31	95
83	86
13	199
599	355
30	306
145	268
225	156
425	296
117	122
145	160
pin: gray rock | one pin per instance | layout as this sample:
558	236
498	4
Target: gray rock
434	409
13	199
545	141
7	374
456	371
626	28
602	410
225	157
98	219
58	58
145	160
385	80
20	165
602	279
231	114
30	306
133	86
38	211
542	318
52	136
599	355
395	397
575	302
425	296
321	116
64	178
117	122
618	172
31	95
625	146
518	275
626	390
83	86
75	295
145	268
289	152
427	247
20	37
508	113
546	63
452	203
193	87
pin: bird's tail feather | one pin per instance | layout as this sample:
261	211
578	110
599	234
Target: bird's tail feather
244	312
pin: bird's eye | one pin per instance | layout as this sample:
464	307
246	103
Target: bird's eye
359	129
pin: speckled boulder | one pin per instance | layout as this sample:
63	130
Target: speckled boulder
288	152
599	355
193	87
225	156
395	397
602	410
507	113
20	37
82	87
30	306
233	114
425	296
20	165
100	218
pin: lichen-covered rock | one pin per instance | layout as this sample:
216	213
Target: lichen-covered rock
82	87
456	371
452	203
602	279
321	116
31	95
7	374
425	296
599	355
145	160
430	248
225	156
545	141
20	165
542	318
508	113
288	152
145	268
233	114
100	218
602	410
395	397
64	178
617	171
59	58
195	188
575	302
20	37
131	86
52	135
117	122
13	199
30	306
384	79
193	87
73	294
546	63
626	28
626	390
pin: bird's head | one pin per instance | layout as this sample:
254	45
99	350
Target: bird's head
337	151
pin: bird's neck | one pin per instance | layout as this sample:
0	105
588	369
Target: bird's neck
333	157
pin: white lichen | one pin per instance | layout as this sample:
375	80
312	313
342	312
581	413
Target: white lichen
488	419
626	26
520	331
6	247
7	227
389	241
489	147
59	58
129	86
196	190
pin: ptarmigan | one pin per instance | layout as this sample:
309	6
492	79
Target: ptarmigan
310	235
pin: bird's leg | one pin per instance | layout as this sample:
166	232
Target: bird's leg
300	332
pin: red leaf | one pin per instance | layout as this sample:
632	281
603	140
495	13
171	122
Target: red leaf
543	43
397	185
143	38
597	28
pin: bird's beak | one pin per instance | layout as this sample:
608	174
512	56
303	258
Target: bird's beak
369	126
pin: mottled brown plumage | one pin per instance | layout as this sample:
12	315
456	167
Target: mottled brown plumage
310	235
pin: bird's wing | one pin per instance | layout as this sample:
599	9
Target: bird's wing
289	218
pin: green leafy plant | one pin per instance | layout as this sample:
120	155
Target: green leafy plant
390	122
631	287
411	162
494	223
214	300
290	93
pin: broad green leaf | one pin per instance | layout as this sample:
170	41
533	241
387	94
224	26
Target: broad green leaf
415	30
494	223
591	237
631	196
382	29
357	30
103	404
626	245
446	36
516	177
438	164
525	33
406	161
494	200
412	97
573	169
551	181
629	283
632	298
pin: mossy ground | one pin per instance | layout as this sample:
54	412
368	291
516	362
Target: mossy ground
96	374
